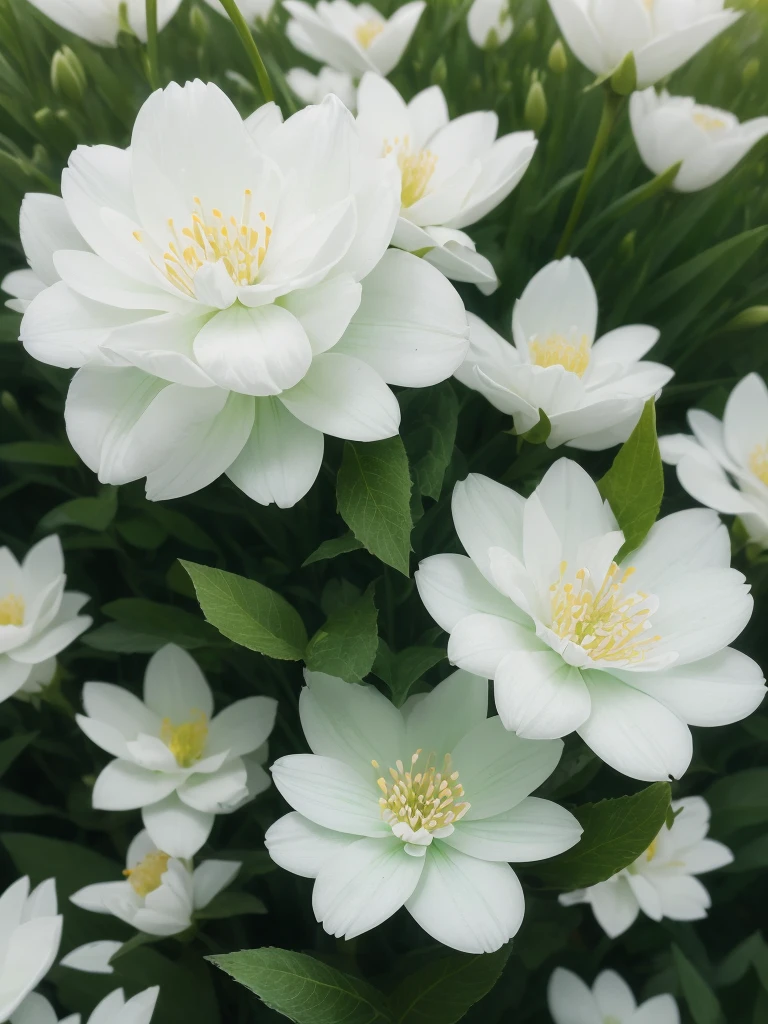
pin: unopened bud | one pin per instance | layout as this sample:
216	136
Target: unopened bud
439	71
754	316
529	32
558	59
751	70
535	113
9	404
627	246
199	24
68	75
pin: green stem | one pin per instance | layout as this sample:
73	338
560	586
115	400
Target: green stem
611	106
246	37
153	66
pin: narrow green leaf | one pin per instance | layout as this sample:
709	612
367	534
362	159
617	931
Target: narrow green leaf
616	833
430	421
443	991
230	904
38	453
302	988
400	671
373	490
333	547
248	613
145	626
701	1000
17	805
91	513
11	748
345	645
634	485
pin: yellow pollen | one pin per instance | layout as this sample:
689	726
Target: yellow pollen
210	237
557	350
12	610
186	741
422	797
650	853
416	169
758	462
148	874
367	32
608	623
709	123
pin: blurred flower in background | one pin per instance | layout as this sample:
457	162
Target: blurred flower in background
609	1001
251	10
98	21
30	933
327	82
489	23
113	1009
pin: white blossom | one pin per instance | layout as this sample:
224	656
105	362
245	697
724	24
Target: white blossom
489	23
609	1001
30	933
98	20
327	82
113	1009
251	10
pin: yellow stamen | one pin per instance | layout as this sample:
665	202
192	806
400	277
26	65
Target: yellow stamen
367	32
12	610
650	853
416	169
148	874
186	741
709	123
557	350
758	462
422	797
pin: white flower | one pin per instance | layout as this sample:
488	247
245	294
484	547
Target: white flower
661	882
725	464
98	20
30	932
38	618
593	392
251	10
247	243
623	654
349	37
173	759
708	141
159	894
114	1009
452	172
662	34
419	808
93	957
489	23
327	82
610	1001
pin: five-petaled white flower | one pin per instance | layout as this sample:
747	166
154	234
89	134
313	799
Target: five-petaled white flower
661	882
725	464
251	10
327	82
352	37
98	21
662	34
452	172
708	141
214	300
38	618
489	23
421	807
173	759
159	894
609	1001
113	1009
30	933
628	652
593	392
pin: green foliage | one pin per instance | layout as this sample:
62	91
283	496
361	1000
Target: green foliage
429	429
38	453
332	548
400	671
145	626
345	645
442	992
701	1000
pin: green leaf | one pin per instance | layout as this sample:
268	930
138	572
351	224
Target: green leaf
540	433
346	644
443	991
739	800
230	904
92	513
74	864
11	748
146	626
752	952
373	490
634	485
302	988
17	805
616	833
248	613
701	1000
431	418
332	548
38	453
400	671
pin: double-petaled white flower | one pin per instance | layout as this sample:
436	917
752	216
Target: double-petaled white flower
489	23
725	463
628	651
30	933
662	34
708	141
327	82
38	618
251	10
593	392
98	21
452	172
159	894
214	301
114	1009
661	882
352	37
173	759
609	1001
419	808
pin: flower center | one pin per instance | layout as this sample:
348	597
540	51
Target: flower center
148	874
416	169
758	463
186	741
210	237
12	610
606	622
650	853
422	801
368	31
558	350
708	122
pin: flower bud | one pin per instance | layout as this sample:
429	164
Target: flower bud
9	404
529	32
68	75
754	316
558	59
199	24
627	246
536	107
439	71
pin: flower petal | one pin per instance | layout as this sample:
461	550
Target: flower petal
451	588
175	687
534	829
487	514
570	1000
215	792
177	828
124	786
210	878
302	847
242	727
325	310
539	696
448	712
